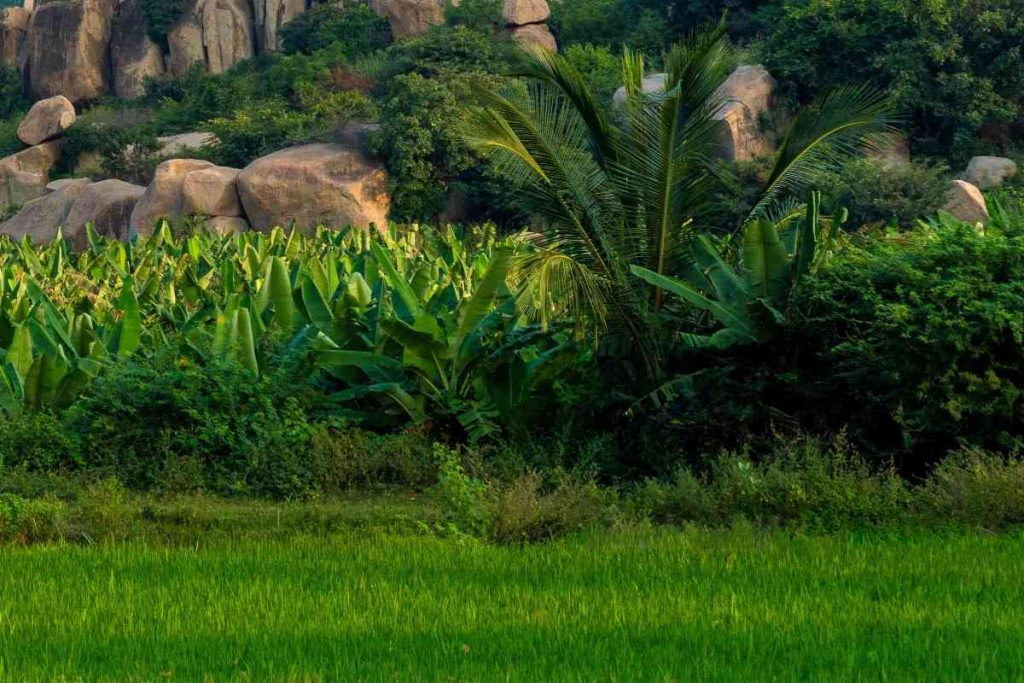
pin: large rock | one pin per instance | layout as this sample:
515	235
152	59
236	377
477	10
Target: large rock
183	143
521	12
65	51
989	172
134	56
47	119
749	102
108	205
271	16
321	184
652	85
163	198
535	35
13	29
966	202
212	192
40	218
24	176
215	33
410	17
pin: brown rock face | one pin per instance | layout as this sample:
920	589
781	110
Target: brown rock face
13	27
535	35
47	119
163	198
270	16
215	33
321	184
521	12
966	202
134	57
212	192
41	217
24	176
749	99
65	50
410	17
108	205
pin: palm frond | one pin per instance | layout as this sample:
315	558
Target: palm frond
846	122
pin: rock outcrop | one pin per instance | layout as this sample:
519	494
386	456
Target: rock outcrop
966	202
215	33
13	29
163	198
134	56
40	218
24	176
410	17
270	17
319	184
527	20
66	48
46	120
989	172
749	104
212	192
652	85
107	205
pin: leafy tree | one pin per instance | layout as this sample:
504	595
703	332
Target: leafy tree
953	66
161	17
611	197
357	29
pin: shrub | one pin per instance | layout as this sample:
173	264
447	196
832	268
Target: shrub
122	140
13	103
256	130
169	423
357	29
528	511
898	195
613	23
953	66
975	488
31	520
479	15
914	341
352	458
36	442
161	17
599	66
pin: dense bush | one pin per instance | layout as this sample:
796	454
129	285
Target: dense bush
424	88
112	143
599	66
914	341
953	66
875	193
170	423
161	17
613	24
12	100
357	30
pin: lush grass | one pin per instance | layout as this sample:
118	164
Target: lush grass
642	605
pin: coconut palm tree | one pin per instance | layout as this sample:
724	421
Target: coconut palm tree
617	190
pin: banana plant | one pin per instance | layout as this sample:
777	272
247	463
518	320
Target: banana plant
749	302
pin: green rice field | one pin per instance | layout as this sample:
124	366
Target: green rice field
645	605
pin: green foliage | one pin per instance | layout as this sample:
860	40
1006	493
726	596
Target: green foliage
36	442
171	423
356	29
353	459
919	335
976	489
161	16
121	140
875	193
953	66
614	24
254	131
12	100
598	66
478	15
